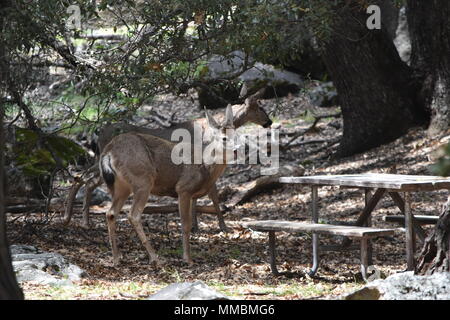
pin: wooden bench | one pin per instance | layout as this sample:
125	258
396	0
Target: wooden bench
419	219
362	233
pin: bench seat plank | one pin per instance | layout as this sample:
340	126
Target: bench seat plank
294	226
418	218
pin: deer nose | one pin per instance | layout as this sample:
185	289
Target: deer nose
267	124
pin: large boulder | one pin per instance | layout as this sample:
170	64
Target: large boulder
406	286
279	82
32	265
188	291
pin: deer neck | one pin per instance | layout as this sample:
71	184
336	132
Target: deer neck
215	170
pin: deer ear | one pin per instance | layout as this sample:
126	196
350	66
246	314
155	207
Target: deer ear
229	116
211	121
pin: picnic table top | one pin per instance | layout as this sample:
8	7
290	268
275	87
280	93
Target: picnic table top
398	182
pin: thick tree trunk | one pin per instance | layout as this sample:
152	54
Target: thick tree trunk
435	255
376	89
9	289
429	25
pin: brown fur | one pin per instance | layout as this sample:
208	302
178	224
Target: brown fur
141	165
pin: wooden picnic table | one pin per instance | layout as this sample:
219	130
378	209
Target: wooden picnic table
381	184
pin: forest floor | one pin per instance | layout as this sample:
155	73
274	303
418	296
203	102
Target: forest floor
236	263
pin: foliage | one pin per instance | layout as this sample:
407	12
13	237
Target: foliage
442	165
35	160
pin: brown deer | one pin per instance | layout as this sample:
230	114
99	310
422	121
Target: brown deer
140	164
250	111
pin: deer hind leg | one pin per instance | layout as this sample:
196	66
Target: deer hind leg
119	198
195	227
185	207
215	200
134	216
91	184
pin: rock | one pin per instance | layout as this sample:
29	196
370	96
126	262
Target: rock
98	196
188	291
32	265
279	82
406	286
402	40
323	94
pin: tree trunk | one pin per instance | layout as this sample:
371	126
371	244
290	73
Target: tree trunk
9	289
435	255
429	25
376	89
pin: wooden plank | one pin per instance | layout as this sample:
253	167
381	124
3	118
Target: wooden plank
419	219
292	226
375	180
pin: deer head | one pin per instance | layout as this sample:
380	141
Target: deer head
222	138
252	111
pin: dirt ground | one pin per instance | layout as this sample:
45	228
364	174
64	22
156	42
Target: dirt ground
236	263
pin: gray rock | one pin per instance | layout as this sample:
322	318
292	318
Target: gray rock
98	196
402	40
406	286
188	291
323	94
31	264
220	66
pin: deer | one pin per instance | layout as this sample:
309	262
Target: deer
250	111
141	164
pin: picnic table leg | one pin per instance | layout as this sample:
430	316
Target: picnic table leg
367	196
315	237
401	205
410	237
273	265
364	257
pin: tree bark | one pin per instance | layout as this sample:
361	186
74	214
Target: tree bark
429	25
435	255
376	88
9	289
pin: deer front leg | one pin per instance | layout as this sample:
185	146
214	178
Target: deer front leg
91	184
185	205
134	216
213	195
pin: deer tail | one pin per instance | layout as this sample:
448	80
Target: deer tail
107	170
